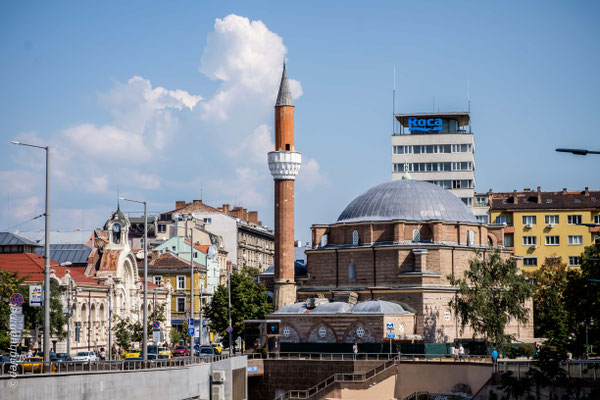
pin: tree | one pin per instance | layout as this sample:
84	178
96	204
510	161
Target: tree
551	319
490	294
122	332
249	300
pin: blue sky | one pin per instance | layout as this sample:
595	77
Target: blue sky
173	100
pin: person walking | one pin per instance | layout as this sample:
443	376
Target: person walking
355	349
494	356
461	353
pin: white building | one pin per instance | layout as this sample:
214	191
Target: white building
438	148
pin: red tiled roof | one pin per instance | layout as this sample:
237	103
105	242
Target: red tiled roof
530	200
202	247
195	206
171	261
31	267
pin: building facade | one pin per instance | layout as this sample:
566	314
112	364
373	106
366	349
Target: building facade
437	148
540	225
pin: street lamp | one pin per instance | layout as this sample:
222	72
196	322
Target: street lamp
46	252
578	152
145	337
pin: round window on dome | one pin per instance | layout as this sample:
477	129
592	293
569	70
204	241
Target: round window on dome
287	331
322	331
360	331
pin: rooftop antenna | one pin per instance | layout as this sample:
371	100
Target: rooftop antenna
394	103
118	198
469	102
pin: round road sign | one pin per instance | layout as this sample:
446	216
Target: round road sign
229	329
156	324
16	300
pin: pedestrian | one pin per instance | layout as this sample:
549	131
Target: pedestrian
114	352
355	349
455	353
495	356
29	353
461	353
102	354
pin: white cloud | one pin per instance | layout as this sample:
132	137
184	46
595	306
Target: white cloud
19	182
310	175
141	180
97	184
27	207
255	146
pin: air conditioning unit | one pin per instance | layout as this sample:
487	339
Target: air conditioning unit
533	246
550	226
218	376
218	392
529	226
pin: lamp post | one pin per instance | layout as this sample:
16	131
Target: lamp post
46	253
192	341
145	337
578	152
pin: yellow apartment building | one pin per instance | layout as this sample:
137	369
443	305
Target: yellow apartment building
174	271
541	225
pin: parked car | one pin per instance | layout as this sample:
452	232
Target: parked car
132	353
165	351
34	364
206	351
53	356
181	351
85	356
218	348
63	357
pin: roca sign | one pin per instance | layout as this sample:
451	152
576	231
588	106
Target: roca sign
424	124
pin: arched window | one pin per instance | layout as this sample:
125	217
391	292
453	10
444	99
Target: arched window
470	238
416	235
355	237
351	272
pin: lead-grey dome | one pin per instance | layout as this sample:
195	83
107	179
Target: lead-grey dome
408	200
335	307
378	307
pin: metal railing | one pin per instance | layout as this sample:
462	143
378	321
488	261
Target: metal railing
339	378
368	357
582	369
23	368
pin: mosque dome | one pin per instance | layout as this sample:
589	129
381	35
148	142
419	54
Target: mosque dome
408	200
378	307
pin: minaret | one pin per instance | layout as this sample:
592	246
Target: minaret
284	164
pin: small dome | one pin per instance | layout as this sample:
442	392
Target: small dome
408	200
296	308
335	307
378	307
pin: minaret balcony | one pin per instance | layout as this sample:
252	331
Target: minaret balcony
284	165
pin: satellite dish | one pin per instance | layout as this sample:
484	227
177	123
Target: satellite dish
212	251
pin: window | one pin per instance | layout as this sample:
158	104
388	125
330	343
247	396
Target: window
552	240
503	220
529	219
467	200
470	238
573	219
324	240
355	237
180	282
551	219
508	241
574	260
195	254
481	201
529	240
416	235
181	304
482	218
162	228
158	280
530	261
576	239
597	219
207	220
351	272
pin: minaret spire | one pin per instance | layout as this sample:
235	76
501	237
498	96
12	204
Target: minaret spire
284	97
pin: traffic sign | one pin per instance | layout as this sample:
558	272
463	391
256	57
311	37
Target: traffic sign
390	326
190	331
16	300
156	324
391	335
35	296
229	329
190	321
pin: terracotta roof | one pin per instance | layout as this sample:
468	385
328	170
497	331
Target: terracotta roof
109	260
202	247
171	261
195	206
530	200
31	267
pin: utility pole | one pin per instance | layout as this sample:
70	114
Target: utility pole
229	295
69	314
192	341
110	321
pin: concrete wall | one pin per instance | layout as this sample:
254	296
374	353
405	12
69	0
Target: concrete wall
172	384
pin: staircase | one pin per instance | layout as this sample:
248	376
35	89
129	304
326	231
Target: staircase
369	378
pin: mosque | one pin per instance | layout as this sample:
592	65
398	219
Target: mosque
382	269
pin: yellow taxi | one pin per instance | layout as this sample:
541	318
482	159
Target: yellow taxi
34	364
132	353
165	351
218	348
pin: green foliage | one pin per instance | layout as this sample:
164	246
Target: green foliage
526	350
175	335
34	316
490	294
550	314
122	332
248	301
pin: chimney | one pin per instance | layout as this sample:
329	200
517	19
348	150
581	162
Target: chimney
198	201
179	204
253	217
527	190
564	191
226	208
539	189
587	191
491	192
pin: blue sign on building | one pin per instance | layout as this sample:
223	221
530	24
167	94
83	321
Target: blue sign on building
424	124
